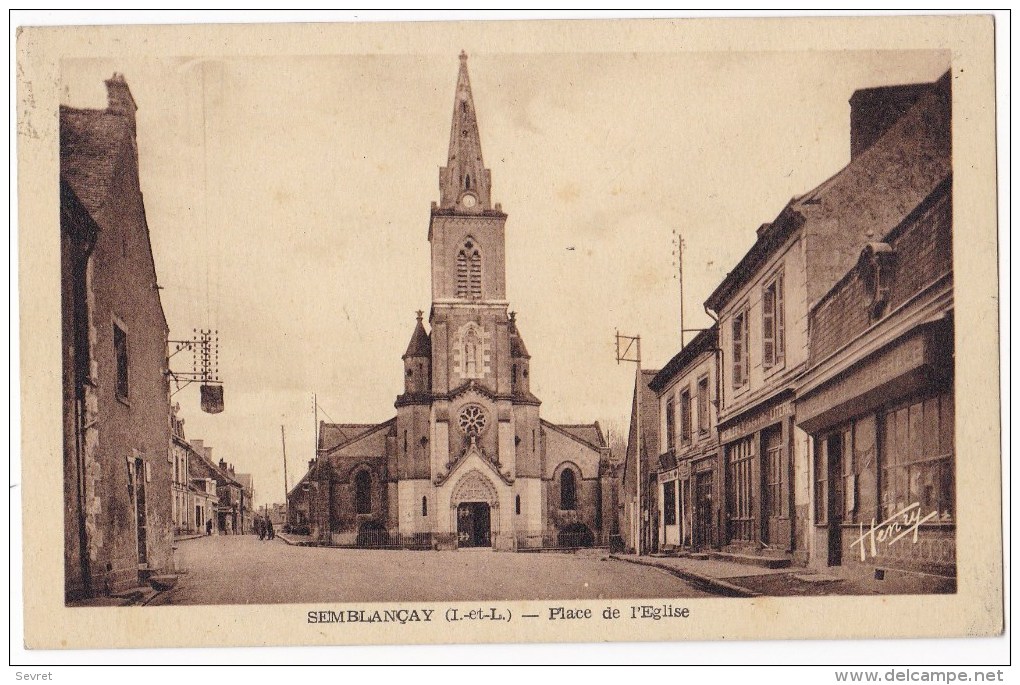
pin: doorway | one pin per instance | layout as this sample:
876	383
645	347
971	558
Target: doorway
703	510
834	445
473	525
141	520
772	485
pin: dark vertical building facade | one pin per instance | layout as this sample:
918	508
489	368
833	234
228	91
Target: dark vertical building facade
117	470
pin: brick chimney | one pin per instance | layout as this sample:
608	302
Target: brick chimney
873	111
118	98
223	464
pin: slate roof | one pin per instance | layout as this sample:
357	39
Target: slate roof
420	344
91	142
705	341
588	433
517	348
332	435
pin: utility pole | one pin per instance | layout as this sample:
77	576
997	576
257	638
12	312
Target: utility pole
286	483
678	263
628	349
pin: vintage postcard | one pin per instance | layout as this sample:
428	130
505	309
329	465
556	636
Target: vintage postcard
509	332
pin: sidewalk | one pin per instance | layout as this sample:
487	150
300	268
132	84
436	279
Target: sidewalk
298	540
743	580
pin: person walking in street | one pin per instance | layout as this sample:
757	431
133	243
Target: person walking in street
269	529
208	527
260	528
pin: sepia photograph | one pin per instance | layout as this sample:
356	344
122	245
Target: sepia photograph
370	336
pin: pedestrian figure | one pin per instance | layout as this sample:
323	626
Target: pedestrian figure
259	528
270	530
208	527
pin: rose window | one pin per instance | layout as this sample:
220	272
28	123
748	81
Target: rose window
472	419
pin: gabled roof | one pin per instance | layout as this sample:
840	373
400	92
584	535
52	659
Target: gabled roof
588	433
211	469
649	421
333	435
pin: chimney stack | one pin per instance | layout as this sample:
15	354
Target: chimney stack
118	98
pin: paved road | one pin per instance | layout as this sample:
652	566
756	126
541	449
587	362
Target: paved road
241	569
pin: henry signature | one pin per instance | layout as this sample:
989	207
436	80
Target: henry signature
898	526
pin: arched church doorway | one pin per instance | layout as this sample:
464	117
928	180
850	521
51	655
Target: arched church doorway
474	524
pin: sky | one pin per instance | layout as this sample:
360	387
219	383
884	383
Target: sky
288	202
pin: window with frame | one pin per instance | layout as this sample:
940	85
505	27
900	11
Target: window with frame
685	417
670	425
916	458
741	362
669	503
120	348
568	490
773	324
363	493
703	400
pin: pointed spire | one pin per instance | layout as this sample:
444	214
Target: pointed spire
420	344
464	181
517	348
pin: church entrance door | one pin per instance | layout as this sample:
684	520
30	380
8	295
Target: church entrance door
473	525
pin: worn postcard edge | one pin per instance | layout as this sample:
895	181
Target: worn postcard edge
975	610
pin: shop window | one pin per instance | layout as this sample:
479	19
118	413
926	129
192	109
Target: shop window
740	489
120	347
424	506
517	505
669	503
703	400
741	363
773	324
916	456
685	417
568	490
363	493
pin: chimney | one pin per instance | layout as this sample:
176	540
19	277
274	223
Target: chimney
223	465
873	111
118	98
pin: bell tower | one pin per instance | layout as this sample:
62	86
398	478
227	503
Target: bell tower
469	322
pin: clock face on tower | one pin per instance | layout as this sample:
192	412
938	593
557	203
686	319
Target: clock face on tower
468	200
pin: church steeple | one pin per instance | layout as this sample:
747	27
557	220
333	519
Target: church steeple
464	183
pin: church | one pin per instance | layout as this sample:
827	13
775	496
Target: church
467	461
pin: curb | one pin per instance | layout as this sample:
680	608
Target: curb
714	584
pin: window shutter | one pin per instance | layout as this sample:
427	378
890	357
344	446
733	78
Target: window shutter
768	325
747	349
780	321
738	352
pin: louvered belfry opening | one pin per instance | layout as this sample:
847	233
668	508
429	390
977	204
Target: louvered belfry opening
469	272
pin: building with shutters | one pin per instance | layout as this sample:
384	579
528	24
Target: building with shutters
467	461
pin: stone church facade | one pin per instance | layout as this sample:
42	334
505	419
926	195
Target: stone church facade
467	461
